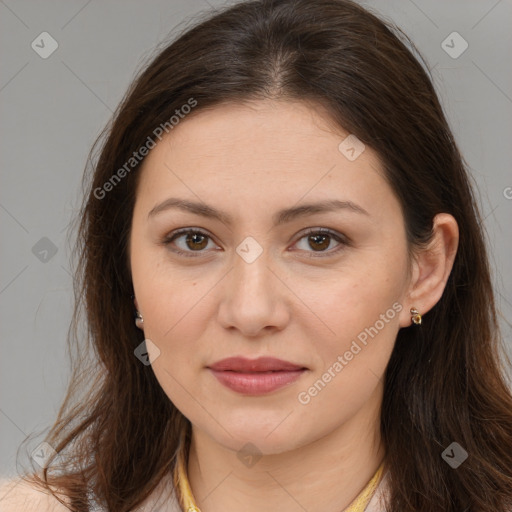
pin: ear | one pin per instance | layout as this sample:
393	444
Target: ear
431	268
136	304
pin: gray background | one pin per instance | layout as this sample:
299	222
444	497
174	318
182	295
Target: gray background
52	110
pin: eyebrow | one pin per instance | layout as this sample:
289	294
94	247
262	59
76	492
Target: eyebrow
281	217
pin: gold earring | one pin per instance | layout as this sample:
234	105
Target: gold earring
139	321
415	316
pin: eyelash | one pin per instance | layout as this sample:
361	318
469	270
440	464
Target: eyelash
341	239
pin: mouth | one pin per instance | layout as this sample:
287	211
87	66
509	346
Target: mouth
257	376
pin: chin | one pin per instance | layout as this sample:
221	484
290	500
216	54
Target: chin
268	441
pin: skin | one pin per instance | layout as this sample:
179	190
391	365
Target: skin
251	160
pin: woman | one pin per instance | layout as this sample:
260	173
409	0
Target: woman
286	285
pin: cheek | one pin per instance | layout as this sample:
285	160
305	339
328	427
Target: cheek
353	308
176	324
177	311
351	360
168	295
176	321
356	311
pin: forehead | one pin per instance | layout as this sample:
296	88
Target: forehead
256	131
263	150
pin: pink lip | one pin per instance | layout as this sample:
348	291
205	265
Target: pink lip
256	376
262	364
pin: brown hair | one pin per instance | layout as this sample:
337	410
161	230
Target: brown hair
117	431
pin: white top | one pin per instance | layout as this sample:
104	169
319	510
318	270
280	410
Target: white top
17	495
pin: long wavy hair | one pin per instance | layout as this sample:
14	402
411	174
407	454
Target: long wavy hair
117	432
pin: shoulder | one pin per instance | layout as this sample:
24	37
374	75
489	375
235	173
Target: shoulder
380	497
18	495
162	499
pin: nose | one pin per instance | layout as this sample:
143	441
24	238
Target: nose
254	300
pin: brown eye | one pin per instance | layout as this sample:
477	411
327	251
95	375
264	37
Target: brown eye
187	242
196	241
320	240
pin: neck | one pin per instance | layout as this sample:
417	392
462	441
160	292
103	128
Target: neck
326	474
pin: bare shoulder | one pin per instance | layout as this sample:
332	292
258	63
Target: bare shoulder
17	495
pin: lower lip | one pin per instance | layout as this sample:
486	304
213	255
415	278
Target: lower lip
256	383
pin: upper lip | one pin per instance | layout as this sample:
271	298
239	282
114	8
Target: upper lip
261	364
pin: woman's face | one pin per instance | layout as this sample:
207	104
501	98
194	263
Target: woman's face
254	283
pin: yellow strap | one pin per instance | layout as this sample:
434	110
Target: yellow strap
181	482
188	504
362	500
